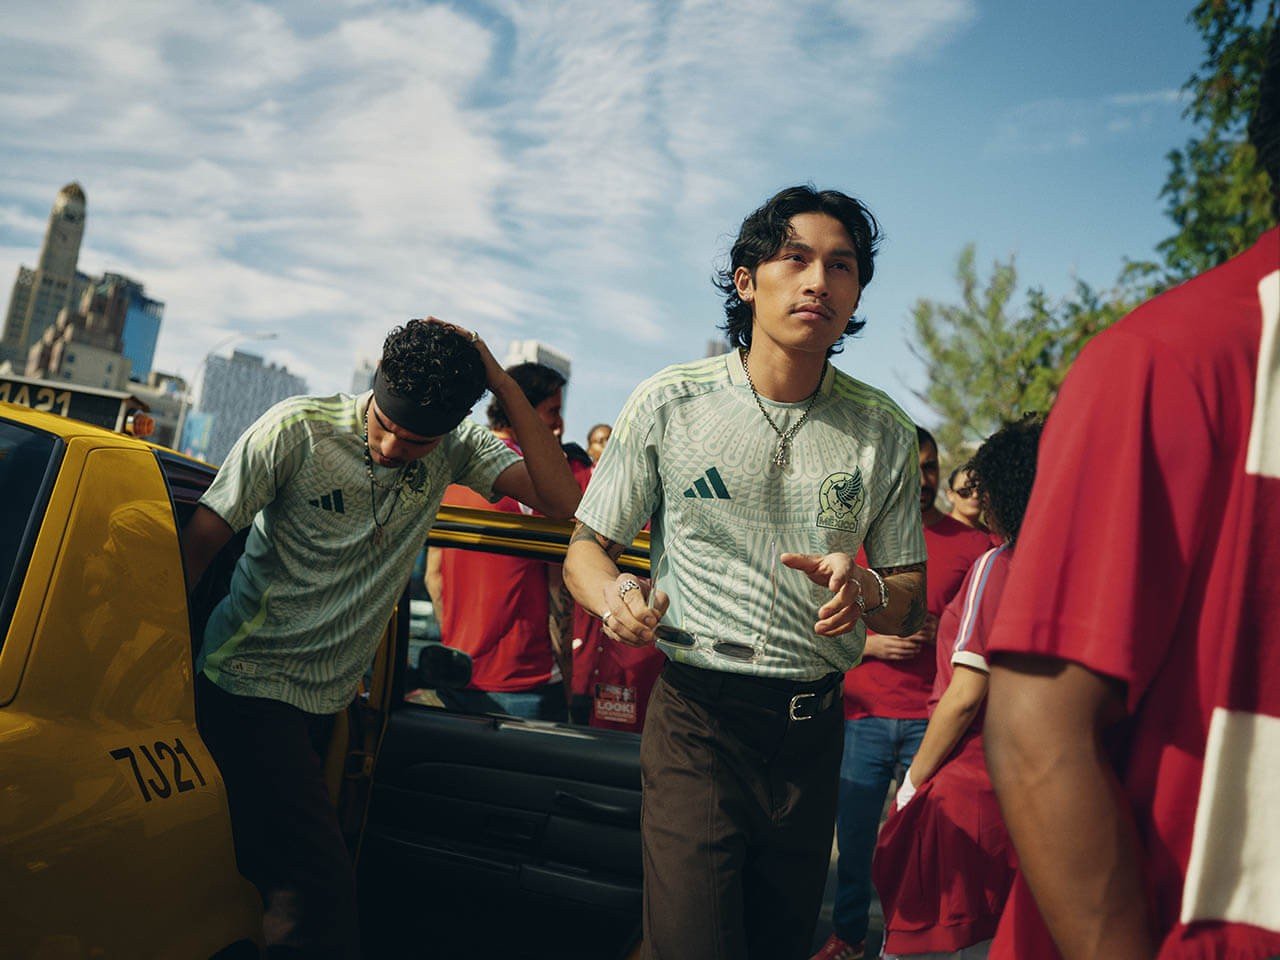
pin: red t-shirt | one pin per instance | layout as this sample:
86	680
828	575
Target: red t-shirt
900	688
967	622
1149	554
496	608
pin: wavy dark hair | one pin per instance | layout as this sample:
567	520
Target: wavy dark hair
535	380
1003	471
765	231
433	366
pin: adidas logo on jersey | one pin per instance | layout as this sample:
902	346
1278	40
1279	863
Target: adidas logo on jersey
330	501
709	486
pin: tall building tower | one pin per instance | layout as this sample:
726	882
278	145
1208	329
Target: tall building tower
142	319
40	294
362	379
236	391
534	351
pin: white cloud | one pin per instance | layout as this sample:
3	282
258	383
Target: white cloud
325	171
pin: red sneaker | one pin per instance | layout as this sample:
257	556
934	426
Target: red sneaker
837	949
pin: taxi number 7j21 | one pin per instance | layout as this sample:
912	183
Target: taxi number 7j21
159	755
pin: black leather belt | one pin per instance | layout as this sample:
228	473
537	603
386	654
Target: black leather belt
796	699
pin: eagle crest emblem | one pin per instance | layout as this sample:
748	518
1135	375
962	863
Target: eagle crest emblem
841	499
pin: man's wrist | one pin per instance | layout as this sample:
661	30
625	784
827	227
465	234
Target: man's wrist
879	598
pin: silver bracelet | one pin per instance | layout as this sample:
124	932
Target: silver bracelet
884	593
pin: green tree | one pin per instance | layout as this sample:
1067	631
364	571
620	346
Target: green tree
989	358
1217	195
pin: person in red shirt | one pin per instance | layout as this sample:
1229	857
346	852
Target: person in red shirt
944	862
886	711
1133	724
497	608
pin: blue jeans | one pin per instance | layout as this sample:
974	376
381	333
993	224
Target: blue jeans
874	747
541	703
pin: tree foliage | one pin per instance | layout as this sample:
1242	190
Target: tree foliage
990	358
1216	193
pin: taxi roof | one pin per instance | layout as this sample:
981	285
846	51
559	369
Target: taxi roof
67	429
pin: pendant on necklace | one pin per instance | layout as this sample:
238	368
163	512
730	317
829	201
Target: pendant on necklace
377	536
780	456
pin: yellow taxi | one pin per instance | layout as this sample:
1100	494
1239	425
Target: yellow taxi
115	839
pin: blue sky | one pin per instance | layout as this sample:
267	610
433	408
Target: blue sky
572	170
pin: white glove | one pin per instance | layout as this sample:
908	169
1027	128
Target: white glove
905	792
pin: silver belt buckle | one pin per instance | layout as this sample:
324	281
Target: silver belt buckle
795	702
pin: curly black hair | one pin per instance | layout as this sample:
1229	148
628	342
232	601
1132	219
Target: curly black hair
535	380
1003	471
765	231
433	365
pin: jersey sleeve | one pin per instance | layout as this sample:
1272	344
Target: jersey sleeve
1112	530
895	536
259	465
477	457
625	486
978	601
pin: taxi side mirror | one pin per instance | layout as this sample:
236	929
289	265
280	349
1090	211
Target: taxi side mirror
442	667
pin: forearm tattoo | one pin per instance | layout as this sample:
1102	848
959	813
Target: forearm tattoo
913	618
612	548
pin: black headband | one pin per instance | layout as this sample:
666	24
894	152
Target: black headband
424	420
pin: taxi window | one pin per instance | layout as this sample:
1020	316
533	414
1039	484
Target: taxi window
28	461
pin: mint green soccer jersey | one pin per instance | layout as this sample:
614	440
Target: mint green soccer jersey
692	451
314	588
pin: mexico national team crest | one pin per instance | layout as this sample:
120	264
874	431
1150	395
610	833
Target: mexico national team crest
840	500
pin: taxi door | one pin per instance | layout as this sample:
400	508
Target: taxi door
519	838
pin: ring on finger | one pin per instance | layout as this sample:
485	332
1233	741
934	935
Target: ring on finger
604	617
626	587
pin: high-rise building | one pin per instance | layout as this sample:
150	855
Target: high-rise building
717	347
362	379
534	351
142	319
235	392
39	295
83	344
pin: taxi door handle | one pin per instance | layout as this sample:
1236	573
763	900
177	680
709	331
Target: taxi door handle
610	813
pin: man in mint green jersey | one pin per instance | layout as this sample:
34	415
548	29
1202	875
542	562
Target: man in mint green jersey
764	470
338	494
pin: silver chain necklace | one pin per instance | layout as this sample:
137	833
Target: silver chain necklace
782	454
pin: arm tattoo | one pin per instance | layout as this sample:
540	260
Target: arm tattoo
913	617
612	548
909	568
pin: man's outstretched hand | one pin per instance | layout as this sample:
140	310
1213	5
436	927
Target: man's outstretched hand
839	574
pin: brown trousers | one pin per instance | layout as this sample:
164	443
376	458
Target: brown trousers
739	811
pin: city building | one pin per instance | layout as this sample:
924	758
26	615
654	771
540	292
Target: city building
83	345
236	390
362	379
717	347
141	326
39	295
533	351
